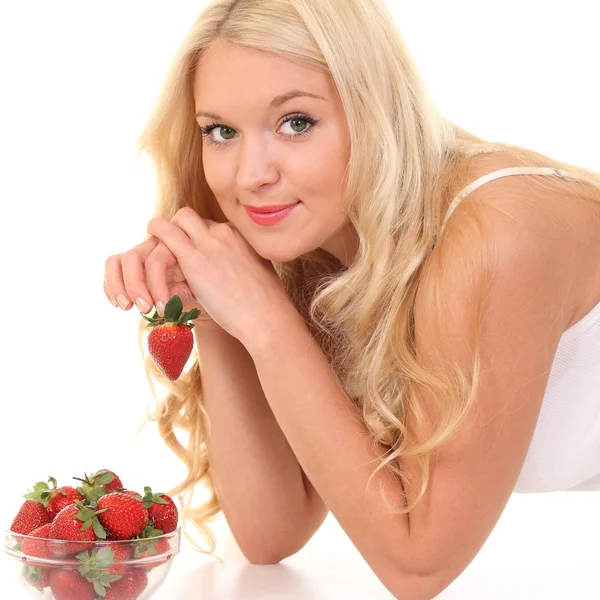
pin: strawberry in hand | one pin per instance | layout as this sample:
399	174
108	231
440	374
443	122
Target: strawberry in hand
171	341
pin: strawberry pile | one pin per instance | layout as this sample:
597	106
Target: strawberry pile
171	341
66	524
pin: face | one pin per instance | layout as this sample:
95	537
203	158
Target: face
266	146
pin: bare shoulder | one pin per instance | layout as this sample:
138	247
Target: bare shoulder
524	209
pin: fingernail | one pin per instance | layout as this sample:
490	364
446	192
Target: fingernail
123	301
160	307
142	305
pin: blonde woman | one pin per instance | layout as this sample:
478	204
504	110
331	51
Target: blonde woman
415	338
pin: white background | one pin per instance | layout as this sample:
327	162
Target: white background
78	81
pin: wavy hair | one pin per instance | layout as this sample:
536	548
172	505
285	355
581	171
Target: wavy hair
405	155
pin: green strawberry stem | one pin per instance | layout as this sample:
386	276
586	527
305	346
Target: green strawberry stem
89	517
173	314
150	498
94	567
91	489
42	492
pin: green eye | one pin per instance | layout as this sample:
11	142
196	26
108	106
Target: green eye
227	133
298	125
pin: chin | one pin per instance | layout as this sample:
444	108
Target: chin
277	254
281	257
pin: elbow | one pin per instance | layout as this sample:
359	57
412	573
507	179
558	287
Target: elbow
418	586
271	551
264	559
268	556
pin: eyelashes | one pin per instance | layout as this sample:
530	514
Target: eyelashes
207	131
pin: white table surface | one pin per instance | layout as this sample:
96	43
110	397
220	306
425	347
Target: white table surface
544	547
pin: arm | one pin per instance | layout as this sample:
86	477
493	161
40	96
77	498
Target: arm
475	473
270	505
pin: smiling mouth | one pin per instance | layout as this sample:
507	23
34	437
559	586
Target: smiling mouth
272	209
270	218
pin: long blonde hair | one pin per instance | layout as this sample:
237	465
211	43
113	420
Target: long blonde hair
404	156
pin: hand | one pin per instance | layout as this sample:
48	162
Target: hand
149	272
238	288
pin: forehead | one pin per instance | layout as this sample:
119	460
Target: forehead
227	72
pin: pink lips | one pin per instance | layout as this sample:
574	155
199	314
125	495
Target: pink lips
274	215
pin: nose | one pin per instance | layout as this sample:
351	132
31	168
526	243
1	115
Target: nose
256	165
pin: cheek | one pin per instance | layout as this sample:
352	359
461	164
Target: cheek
325	161
322	171
217	174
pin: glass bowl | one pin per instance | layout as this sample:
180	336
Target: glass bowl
108	570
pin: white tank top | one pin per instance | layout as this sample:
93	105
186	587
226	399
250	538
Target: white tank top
564	454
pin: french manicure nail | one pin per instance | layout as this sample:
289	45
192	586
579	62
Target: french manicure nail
123	301
160	307
142	305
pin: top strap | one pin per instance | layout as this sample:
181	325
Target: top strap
505	173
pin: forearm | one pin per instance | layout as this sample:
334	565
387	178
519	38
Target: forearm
257	478
331	442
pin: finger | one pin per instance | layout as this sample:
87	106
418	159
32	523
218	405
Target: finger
173	237
108	295
134	275
190	222
115	284
157	265
113	276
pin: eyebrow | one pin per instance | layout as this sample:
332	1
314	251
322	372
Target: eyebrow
278	101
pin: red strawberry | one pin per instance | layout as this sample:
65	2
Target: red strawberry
131	493
129	587
64	496
125	516
36	545
107	559
162	510
76	523
149	547
31	515
171	341
108	480
69	584
99	484
37	577
52	498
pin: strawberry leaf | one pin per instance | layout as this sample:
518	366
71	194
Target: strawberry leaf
150	532
150	498
103	478
98	529
105	557
173	308
101	581
42	492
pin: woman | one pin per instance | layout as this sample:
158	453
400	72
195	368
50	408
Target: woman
402	346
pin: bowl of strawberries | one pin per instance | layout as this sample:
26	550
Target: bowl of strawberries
96	540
